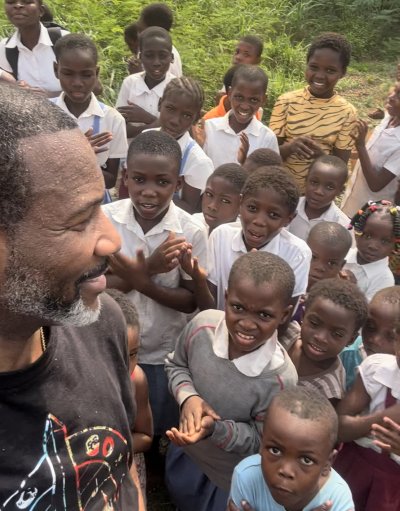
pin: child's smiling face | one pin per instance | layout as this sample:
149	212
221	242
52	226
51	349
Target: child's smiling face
253	312
246	98
324	69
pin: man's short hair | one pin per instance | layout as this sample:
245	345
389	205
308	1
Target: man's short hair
263	267
23	114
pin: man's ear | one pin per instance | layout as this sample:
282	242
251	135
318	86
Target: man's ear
55	68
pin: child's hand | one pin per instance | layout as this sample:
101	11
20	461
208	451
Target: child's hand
98	141
206	429
135	113
244	148
192	412
132	271
190	265
244	506
199	133
134	65
305	148
348	275
166	256
388	436
360	135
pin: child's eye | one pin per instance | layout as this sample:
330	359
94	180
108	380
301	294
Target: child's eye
264	315
226	201
238	98
330	187
254	100
305	460
332	263
251	208
313	182
339	334
208	194
188	116
273	215
163	182
138	179
386	242
313	322
236	307
274	451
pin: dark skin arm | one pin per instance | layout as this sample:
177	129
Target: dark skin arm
143	428
352	425
343	154
110	172
200	285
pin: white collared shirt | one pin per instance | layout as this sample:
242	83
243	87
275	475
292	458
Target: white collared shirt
135	90
268	356
301	225
175	67
160	326
384	152
379	373
371	277
222	143
109	120
226	245
35	66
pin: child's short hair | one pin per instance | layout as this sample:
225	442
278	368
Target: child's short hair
306	404
231	172
151	32
332	234
228	77
277	179
263	267
156	143
264	157
131	31
75	42
388	295
255	42
157	15
335	42
47	16
332	161
359	220
249	73
342	293
188	86
128	309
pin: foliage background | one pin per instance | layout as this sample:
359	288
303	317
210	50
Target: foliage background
205	32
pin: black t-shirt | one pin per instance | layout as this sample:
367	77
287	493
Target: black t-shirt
65	422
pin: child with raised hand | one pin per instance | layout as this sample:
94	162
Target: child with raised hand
325	181
77	69
154	232
268	204
140	93
294	468
180	108
221	198
372	475
229	138
378	164
131	37
158	14
334	312
225	370
316	120
262	158
143	427
377	335
377	231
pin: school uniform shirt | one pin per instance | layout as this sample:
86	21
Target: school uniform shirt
222	143
226	245
379	373
160	326
371	277
135	90
384	152
109	119
35	66
301	225
248	484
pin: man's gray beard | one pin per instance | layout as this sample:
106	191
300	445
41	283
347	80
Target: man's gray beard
26	292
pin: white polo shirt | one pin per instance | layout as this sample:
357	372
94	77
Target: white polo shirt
135	90
35	66
301	225
371	277
222	143
384	151
379	373
109	120
226	244
160	326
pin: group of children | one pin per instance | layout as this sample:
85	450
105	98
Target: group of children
269	331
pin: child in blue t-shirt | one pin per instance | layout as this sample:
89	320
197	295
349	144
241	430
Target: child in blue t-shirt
294	468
